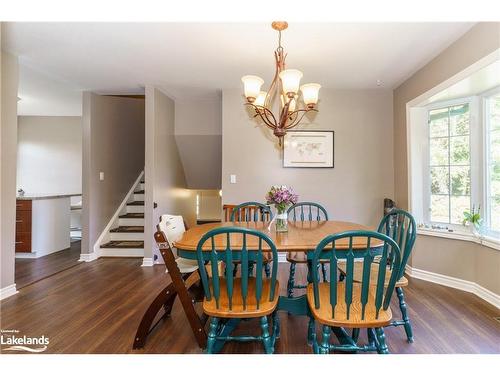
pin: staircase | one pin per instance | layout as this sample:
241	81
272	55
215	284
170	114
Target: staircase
126	238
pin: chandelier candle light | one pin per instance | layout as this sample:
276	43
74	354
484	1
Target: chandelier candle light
286	84
282	197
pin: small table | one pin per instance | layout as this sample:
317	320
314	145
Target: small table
301	236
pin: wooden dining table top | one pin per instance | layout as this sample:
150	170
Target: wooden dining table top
301	236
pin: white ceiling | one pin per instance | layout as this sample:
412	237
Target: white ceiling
198	59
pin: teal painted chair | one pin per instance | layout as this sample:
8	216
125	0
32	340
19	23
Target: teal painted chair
227	297
347	304
401	227
253	212
303	211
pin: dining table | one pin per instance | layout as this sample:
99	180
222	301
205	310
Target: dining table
300	236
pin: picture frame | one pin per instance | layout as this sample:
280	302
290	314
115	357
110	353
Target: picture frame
308	149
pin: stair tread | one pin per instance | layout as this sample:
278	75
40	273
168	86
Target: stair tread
136	203
123	245
133	215
139	192
128	229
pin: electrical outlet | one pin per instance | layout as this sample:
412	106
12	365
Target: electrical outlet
101	176
232	178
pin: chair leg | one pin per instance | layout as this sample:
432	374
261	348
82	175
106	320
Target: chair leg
382	346
355	334
325	342
212	334
276	324
267	270
323	271
311	331
404	313
266	338
291	280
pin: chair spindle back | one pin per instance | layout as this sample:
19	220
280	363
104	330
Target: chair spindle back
401	227
346	246
307	211
251	249
251	212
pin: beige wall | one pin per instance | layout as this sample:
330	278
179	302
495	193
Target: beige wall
113	143
460	259
49	154
8	149
164	176
198	134
210	205
363	175
478	42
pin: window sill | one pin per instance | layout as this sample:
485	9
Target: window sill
485	240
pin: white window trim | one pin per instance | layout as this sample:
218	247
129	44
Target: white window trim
485	97
475	163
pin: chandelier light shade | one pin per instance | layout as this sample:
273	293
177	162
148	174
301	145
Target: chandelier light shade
310	94
286	86
261	99
290	79
252	86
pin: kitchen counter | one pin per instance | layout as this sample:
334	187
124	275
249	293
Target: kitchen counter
42	196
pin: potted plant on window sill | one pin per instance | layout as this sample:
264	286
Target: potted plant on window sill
474	221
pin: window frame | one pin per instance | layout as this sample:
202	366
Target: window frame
485	98
474	147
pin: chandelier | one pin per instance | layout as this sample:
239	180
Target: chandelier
286	84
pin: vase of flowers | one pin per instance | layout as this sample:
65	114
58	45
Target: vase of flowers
473	220
281	197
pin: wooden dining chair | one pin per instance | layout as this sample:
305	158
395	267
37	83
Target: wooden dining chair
348	304
401	227
253	212
227	210
228	297
303	211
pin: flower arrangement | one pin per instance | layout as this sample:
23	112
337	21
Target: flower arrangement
473	218
281	196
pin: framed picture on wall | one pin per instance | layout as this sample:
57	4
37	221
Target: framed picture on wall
308	149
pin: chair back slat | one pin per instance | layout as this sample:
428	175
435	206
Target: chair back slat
373	243
313	211
229	270
248	251
402	228
251	212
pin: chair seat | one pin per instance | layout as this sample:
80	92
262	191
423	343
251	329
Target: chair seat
324	313
267	257
299	257
266	307
186	265
358	274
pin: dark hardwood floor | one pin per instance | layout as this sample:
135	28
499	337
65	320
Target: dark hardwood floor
30	270
96	307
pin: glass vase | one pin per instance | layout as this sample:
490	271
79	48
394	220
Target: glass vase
281	221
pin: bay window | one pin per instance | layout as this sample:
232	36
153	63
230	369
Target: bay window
457	165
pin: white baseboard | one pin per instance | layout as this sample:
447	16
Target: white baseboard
88	257
8	291
453	282
26	255
147	262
